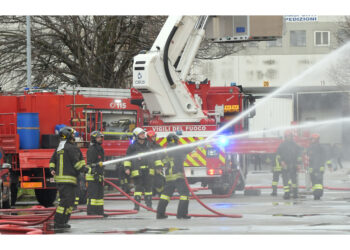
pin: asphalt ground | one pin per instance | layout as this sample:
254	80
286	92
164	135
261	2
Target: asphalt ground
262	215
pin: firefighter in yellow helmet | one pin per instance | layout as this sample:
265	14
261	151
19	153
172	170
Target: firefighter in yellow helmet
140	168
174	175
95	158
316	165
65	164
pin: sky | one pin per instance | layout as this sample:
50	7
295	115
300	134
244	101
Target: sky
166	7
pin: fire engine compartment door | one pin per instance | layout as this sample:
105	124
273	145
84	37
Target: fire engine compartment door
114	123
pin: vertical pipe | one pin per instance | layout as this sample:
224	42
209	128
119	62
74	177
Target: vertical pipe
29	54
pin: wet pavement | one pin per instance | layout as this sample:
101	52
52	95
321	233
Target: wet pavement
261	214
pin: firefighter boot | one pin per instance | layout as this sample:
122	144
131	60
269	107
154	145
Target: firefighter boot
138	199
148	200
295	193
161	209
286	196
274	190
317	194
182	210
60	221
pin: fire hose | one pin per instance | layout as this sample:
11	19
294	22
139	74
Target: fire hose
218	214
171	214
12	223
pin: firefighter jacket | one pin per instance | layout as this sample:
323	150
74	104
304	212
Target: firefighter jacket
277	167
317	158
140	166
174	162
288	152
94	155
67	161
158	164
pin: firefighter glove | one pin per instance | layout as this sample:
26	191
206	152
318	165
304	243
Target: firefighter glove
86	169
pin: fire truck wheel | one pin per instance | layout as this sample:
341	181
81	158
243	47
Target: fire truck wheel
221	189
46	197
14	191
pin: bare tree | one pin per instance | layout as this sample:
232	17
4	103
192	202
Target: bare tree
94	51
339	70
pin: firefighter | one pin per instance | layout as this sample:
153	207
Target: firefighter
175	179
287	155
276	172
159	179
95	158
316	165
65	164
140	168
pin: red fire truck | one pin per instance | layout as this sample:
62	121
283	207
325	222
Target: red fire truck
161	99
116	113
28	148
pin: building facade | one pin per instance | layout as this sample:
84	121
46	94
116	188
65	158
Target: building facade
310	59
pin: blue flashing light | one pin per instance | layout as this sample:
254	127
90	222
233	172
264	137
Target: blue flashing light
223	141
233	84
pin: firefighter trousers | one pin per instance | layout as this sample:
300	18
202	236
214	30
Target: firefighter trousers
169	189
158	183
95	198
143	184
289	176
66	203
275	178
317	184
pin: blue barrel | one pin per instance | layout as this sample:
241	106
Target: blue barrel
28	130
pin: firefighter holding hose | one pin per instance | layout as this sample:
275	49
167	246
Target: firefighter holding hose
175	179
65	164
140	168
159	179
95	158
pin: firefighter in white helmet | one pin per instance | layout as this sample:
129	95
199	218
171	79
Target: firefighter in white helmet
140	168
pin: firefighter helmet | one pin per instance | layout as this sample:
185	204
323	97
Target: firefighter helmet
94	135
172	138
151	133
67	133
137	131
288	133
315	136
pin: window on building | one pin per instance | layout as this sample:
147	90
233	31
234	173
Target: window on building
322	38
274	43
298	38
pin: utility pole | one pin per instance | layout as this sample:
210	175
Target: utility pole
29	54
